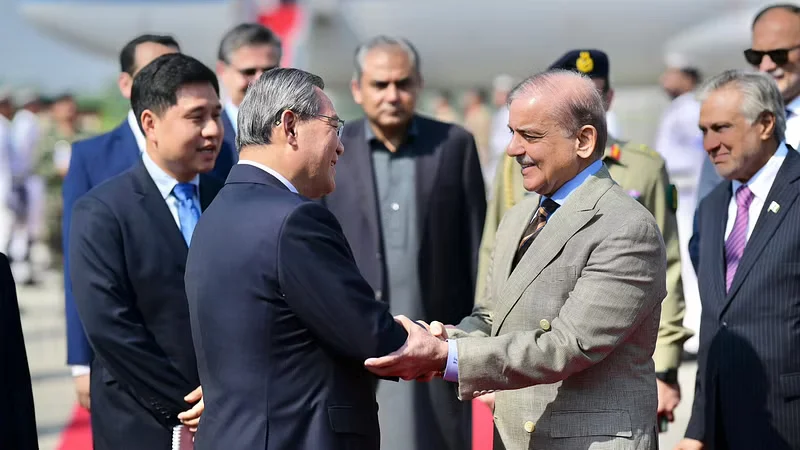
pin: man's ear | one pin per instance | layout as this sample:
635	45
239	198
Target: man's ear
355	90
766	122
288	127
149	122
586	140
125	83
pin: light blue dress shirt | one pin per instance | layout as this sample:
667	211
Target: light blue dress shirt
165	184
560	196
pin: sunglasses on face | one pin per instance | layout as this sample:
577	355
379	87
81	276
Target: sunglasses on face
779	56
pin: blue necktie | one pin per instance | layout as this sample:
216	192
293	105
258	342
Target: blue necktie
188	214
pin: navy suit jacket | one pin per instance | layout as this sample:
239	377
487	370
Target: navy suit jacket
127	265
282	322
748	380
94	161
17	417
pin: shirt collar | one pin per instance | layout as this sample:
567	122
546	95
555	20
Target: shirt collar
793	107
761	182
272	172
232	112
164	181
560	196
137	132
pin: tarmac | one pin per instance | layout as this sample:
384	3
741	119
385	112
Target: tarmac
54	396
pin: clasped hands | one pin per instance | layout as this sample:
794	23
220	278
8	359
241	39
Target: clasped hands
421	358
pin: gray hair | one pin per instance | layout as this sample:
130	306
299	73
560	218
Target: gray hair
578	108
273	93
760	95
383	42
244	35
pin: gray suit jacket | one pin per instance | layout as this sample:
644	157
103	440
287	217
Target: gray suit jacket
567	338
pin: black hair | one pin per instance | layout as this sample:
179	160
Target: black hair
156	86
243	35
127	57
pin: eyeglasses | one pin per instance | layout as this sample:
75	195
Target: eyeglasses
252	71
334	122
779	56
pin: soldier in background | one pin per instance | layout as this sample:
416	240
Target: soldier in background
642	173
52	162
478	121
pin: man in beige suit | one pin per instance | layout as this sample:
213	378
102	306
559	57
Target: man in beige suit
566	333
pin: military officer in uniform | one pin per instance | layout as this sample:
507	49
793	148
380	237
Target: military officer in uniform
642	173
52	161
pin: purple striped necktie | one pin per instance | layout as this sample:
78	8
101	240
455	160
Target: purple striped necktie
734	246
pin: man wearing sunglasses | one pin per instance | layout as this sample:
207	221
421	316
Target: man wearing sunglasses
775	50
245	52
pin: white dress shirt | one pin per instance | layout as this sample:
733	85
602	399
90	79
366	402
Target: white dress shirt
165	184
233	114
760	184
793	123
137	132
5	159
270	171
679	140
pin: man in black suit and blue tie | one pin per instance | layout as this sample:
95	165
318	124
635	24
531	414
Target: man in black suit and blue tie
99	158
128	245
282	319
747	393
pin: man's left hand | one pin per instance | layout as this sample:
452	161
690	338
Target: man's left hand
669	396
421	355
191	417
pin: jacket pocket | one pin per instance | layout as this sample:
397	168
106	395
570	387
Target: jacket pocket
565	424
347	419
790	385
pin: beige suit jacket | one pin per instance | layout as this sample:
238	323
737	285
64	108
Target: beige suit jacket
566	339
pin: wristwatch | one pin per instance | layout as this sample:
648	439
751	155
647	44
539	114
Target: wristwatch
669	376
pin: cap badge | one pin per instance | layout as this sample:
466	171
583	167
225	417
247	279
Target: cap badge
584	64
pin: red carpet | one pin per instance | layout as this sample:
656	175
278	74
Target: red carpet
77	434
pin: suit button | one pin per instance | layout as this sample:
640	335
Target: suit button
724	324
544	324
530	427
378	295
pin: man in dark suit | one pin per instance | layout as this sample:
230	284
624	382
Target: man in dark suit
281	316
98	159
128	250
747	392
17	417
245	52
412	205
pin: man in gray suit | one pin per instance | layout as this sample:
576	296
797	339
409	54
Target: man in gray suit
567	326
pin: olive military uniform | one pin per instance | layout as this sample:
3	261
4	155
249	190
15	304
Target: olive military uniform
642	173
54	146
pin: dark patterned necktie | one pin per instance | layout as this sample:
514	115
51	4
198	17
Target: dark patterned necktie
534	228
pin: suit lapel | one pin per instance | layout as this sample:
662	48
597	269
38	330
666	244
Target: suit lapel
230	134
784	193
427	167
716	239
364	179
576	212
125	143
157	209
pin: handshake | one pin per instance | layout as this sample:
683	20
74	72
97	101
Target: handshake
421	358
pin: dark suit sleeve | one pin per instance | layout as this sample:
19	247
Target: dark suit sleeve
474	203
17	418
694	244
106	302
323	286
76	183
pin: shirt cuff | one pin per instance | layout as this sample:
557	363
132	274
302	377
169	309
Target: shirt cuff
451	369
78	371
